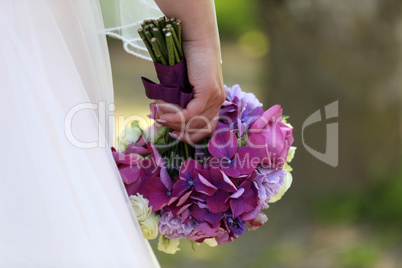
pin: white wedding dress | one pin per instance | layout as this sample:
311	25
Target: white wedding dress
62	202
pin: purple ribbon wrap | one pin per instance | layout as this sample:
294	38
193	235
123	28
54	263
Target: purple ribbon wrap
174	86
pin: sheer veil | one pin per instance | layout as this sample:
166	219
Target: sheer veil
124	17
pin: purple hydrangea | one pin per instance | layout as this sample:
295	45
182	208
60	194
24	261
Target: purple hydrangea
268	183
248	99
233	161
240	110
172	227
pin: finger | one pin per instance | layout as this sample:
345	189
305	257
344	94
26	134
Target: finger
194	137
195	107
157	115
176	126
201	120
165	107
195	123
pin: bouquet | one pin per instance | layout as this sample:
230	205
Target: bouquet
213	190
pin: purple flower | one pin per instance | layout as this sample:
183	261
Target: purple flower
202	214
235	225
157	190
244	199
183	209
271	138
217	201
227	230
234	161
131	164
239	111
174	228
251	215
249	98
154	109
157	184
226	237
204	231
140	147
183	187
268	183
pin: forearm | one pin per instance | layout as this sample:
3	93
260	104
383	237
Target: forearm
202	53
198	19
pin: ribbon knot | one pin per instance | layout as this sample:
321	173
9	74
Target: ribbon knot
174	86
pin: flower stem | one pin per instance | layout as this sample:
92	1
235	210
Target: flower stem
167	33
176	42
147	44
161	22
161	41
148	35
186	150
157	50
170	48
178	23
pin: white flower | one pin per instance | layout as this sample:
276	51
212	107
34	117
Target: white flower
140	206
282	190
285	121
291	154
150	226
287	168
129	135
211	242
155	133
167	245
288	178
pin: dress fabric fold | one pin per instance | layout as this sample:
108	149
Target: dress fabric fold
62	201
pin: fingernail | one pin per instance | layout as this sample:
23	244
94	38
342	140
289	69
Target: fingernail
173	135
161	121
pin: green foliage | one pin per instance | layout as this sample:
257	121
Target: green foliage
236	17
337	209
360	256
383	203
380	205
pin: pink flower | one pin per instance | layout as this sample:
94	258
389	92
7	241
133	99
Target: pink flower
271	138
205	231
259	221
157	190
130	164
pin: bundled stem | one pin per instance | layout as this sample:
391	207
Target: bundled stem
158	51
147	44
176	42
170	45
166	48
162	38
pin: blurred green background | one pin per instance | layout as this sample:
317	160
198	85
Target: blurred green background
304	55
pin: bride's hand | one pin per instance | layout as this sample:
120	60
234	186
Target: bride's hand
202	53
199	119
